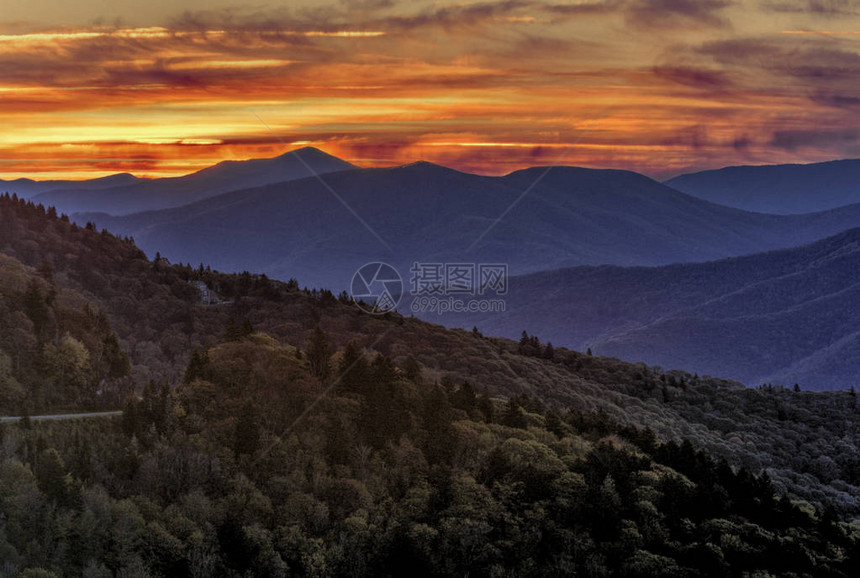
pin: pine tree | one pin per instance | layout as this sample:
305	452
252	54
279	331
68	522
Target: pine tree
464	398
318	353
51	476
554	423
352	370
412	370
524	343
436	418
485	406
549	351
197	366
514	416
36	308
247	435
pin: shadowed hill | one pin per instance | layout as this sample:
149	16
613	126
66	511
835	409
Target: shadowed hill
785	316
156	310
427	213
134	195
26	188
777	189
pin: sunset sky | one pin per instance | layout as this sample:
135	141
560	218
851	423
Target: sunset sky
163	87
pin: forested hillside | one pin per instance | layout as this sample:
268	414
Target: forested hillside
270	461
57	350
780	317
429	213
282	431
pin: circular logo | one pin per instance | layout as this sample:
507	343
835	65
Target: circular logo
377	288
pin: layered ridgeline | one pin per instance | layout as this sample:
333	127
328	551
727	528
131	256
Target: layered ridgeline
322	232
784	317
27	188
123	194
304	437
777	189
806	442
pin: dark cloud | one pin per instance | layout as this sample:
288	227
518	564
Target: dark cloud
842	139
669	13
704	78
812	60
651	13
818	7
455	16
822	64
342	17
818	68
368	4
583	8
741	143
848	101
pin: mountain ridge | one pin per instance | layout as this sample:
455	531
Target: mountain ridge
757	318
153	194
777	189
569	217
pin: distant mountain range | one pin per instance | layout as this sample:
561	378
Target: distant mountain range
27	188
308	229
124	194
777	189
785	317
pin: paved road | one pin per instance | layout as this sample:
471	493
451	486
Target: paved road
57	416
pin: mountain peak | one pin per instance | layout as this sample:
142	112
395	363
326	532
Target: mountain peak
427	166
306	150
310	153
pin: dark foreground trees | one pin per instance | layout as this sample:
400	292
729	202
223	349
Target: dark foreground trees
252	468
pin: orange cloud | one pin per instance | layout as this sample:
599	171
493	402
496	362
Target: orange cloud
487	86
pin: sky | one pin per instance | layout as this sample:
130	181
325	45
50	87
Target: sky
166	87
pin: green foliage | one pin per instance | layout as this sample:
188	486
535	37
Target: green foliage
56	350
319	354
243	456
192	490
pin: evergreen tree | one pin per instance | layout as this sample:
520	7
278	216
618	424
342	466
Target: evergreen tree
318	354
549	351
514	415
464	398
485	406
197	366
554	423
352	369
247	433
52	476
412	370
436	420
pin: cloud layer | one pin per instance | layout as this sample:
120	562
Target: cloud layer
661	85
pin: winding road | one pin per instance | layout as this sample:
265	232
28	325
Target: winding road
58	416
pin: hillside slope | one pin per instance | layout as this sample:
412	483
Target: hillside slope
777	189
427	213
262	464
786	316
806	442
